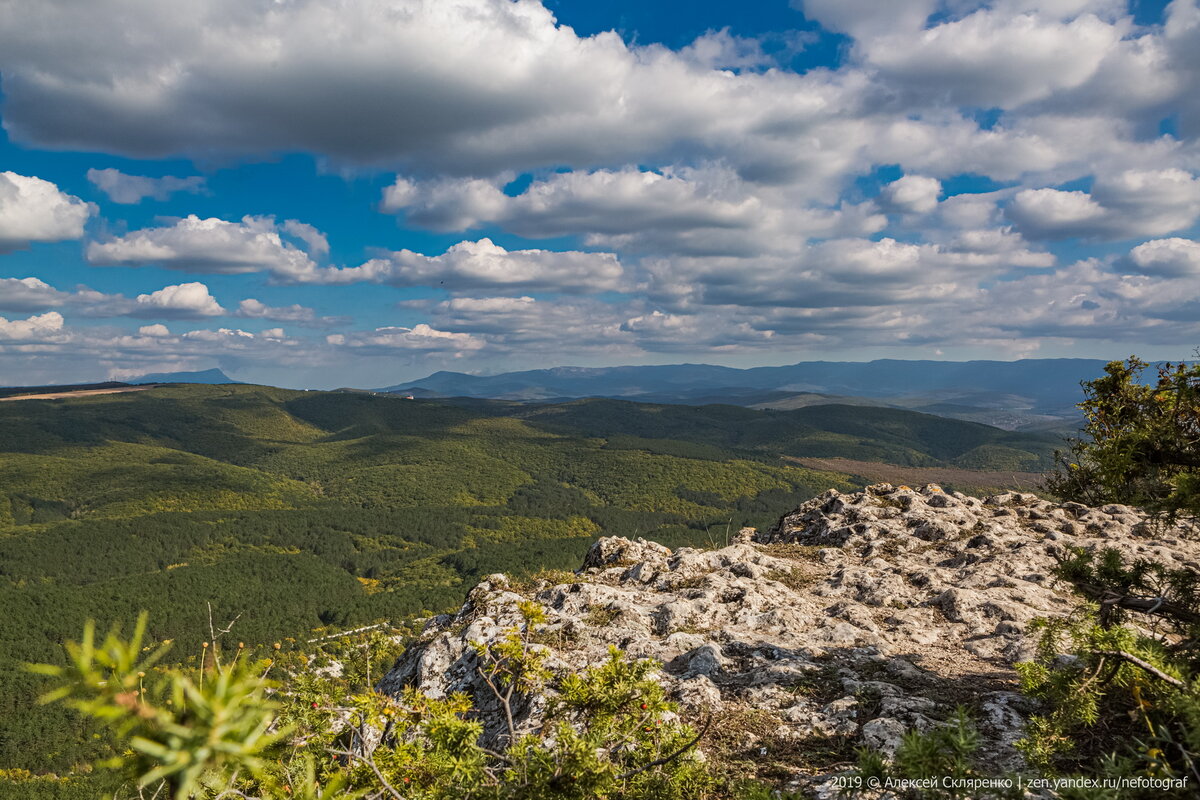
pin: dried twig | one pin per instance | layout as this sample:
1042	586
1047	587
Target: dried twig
1146	665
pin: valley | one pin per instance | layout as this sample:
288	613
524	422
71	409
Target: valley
305	511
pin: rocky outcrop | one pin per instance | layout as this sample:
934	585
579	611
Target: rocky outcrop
856	618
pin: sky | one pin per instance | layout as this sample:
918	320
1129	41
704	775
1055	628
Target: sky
322	193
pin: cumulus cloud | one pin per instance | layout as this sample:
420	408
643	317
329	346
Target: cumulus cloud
991	60
471	265
182	301
129	189
1086	300
251	308
209	245
287	77
185	300
865	18
1130	203
718	193
912	194
45	349
1168	258
34	328
584	326
315	242
389	340
845	273
34	210
597	202
723	50
29	294
708	209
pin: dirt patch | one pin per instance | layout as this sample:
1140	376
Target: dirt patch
79	393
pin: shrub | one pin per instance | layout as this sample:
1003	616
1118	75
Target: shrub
1143	445
226	731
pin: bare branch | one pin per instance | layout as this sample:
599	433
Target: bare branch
504	703
1146	665
1148	605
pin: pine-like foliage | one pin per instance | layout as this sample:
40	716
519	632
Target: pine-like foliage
1117	679
1143	441
227	731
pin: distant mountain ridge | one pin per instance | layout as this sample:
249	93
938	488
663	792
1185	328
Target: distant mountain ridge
1038	385
210	376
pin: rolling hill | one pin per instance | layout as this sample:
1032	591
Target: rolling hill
309	509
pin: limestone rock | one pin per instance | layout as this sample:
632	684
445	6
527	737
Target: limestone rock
857	615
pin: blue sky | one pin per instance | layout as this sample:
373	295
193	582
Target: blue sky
307	193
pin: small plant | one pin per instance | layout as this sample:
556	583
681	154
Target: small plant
794	578
190	735
601	616
941	763
1119	699
608	730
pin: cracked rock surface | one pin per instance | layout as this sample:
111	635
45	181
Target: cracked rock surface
855	618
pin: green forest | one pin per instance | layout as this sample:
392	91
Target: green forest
299	511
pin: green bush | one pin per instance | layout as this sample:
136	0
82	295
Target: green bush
224	730
1143	445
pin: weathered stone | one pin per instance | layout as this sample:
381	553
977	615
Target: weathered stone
918	601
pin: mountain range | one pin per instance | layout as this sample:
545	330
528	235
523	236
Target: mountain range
1027	393
211	376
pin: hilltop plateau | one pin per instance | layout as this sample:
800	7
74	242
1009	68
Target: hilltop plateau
853	619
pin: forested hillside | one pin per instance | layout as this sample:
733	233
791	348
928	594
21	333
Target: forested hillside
299	510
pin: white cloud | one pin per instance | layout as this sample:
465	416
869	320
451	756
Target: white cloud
1167	258
523	325
180	301
29	294
421	337
188	300
989	59
315	241
865	18
251	308
34	210
719	194
44	349
219	335
37	327
706	210
844	273
472	265
1130	203
598	202
472	86
208	245
129	189
912	194
723	50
